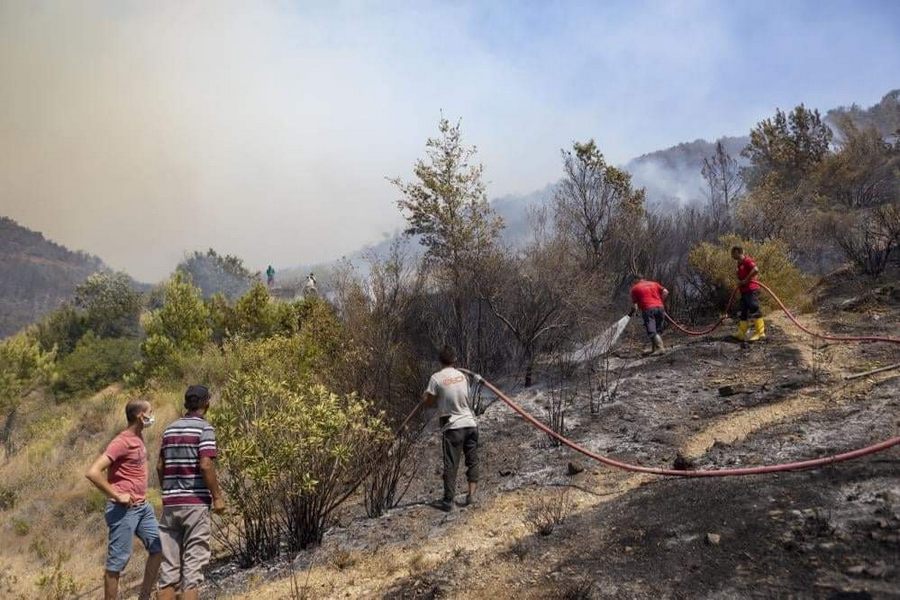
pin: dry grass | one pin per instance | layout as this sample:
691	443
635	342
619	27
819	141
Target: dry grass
547	512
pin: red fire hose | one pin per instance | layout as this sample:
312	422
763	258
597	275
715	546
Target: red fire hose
610	462
834	338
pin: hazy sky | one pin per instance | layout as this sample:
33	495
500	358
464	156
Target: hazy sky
141	130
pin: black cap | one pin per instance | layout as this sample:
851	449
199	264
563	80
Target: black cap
200	392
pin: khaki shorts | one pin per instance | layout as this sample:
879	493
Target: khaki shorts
184	532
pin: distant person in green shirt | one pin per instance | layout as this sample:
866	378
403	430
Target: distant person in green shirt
270	276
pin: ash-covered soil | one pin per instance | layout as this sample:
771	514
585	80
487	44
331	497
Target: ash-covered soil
708	402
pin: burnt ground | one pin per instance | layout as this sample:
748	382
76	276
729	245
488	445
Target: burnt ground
827	533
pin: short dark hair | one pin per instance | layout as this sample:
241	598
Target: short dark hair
196	396
134	408
447	356
737	249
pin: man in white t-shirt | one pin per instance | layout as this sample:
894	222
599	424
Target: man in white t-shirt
449	389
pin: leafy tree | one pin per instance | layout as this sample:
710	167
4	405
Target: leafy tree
447	207
61	330
786	147
592	196
110	303
178	329
863	173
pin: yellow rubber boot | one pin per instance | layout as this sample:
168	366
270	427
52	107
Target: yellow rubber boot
759	330
741	334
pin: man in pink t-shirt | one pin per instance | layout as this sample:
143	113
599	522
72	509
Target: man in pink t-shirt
128	514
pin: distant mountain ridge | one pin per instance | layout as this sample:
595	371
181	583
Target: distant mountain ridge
36	275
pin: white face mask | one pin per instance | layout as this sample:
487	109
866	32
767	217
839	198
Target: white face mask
148	421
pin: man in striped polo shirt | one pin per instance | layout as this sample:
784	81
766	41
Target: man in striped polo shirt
187	475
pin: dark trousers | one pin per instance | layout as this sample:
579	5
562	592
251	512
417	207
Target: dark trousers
654	321
454	442
750	305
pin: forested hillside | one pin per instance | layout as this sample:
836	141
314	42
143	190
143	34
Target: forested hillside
36	275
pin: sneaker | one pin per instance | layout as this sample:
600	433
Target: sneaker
470	500
444	505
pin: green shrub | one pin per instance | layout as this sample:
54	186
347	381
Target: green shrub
21	527
61	330
175	331
95	363
255	315
23	365
56	582
291	449
718	270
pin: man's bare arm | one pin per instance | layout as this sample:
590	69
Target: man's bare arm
96	475
211	479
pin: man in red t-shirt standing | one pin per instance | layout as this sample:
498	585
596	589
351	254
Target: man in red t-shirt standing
648	297
747	274
128	513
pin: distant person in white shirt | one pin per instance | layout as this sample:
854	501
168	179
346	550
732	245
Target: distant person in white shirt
309	288
449	389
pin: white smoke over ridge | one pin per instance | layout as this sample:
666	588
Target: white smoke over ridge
141	131
674	176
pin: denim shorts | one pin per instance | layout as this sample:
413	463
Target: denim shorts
125	523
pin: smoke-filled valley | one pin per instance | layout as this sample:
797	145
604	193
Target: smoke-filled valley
577	377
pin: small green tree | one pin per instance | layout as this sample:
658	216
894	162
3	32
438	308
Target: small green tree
785	148
446	206
61	330
23	367
177	330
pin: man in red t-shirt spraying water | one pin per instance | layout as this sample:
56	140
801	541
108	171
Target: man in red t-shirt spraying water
649	297
747	274
128	514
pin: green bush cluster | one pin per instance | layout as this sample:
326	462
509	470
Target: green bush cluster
95	363
718	271
292	450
